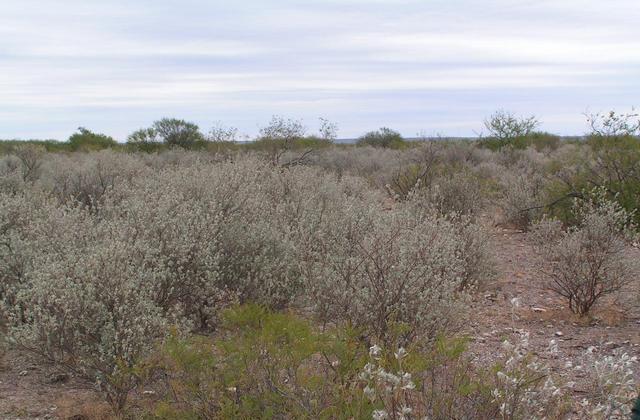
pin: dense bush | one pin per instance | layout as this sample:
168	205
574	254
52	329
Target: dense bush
384	137
87	140
267	365
382	272
523	188
506	129
168	131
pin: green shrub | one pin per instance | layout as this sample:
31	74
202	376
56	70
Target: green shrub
266	365
538	140
275	365
7	146
175	132
506	128
87	140
168	131
384	138
610	163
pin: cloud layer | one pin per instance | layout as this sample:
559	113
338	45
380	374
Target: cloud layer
436	66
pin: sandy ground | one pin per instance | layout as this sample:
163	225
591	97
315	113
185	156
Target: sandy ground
613	326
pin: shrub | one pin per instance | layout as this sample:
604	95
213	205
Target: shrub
175	132
82	304
86	180
17	214
87	140
540	141
221	134
610	160
328	130
279	137
611	387
11	181
145	140
444	383
384	137
523	387
378	272
275	365
31	161
187	236
169	131
588	261
459	193
614	124
523	193
266	365
375	165
505	128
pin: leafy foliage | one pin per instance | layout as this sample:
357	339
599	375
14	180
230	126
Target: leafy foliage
87	140
384	137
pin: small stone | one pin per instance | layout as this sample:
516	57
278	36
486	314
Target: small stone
536	309
23	373
491	296
58	378
559	333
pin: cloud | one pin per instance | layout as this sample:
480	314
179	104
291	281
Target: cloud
116	66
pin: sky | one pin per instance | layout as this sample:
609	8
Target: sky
436	67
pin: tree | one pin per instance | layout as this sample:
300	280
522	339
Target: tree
220	133
328	130
384	137
143	136
505	126
280	135
175	132
614	124
169	131
88	140
30	157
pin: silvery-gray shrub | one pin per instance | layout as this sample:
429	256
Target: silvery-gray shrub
588	261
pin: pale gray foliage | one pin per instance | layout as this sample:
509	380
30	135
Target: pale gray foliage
587	262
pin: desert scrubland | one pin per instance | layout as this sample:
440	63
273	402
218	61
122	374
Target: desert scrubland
186	275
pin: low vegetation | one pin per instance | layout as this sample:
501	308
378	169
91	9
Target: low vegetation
294	277
588	261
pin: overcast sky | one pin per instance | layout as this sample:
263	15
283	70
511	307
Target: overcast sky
438	66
